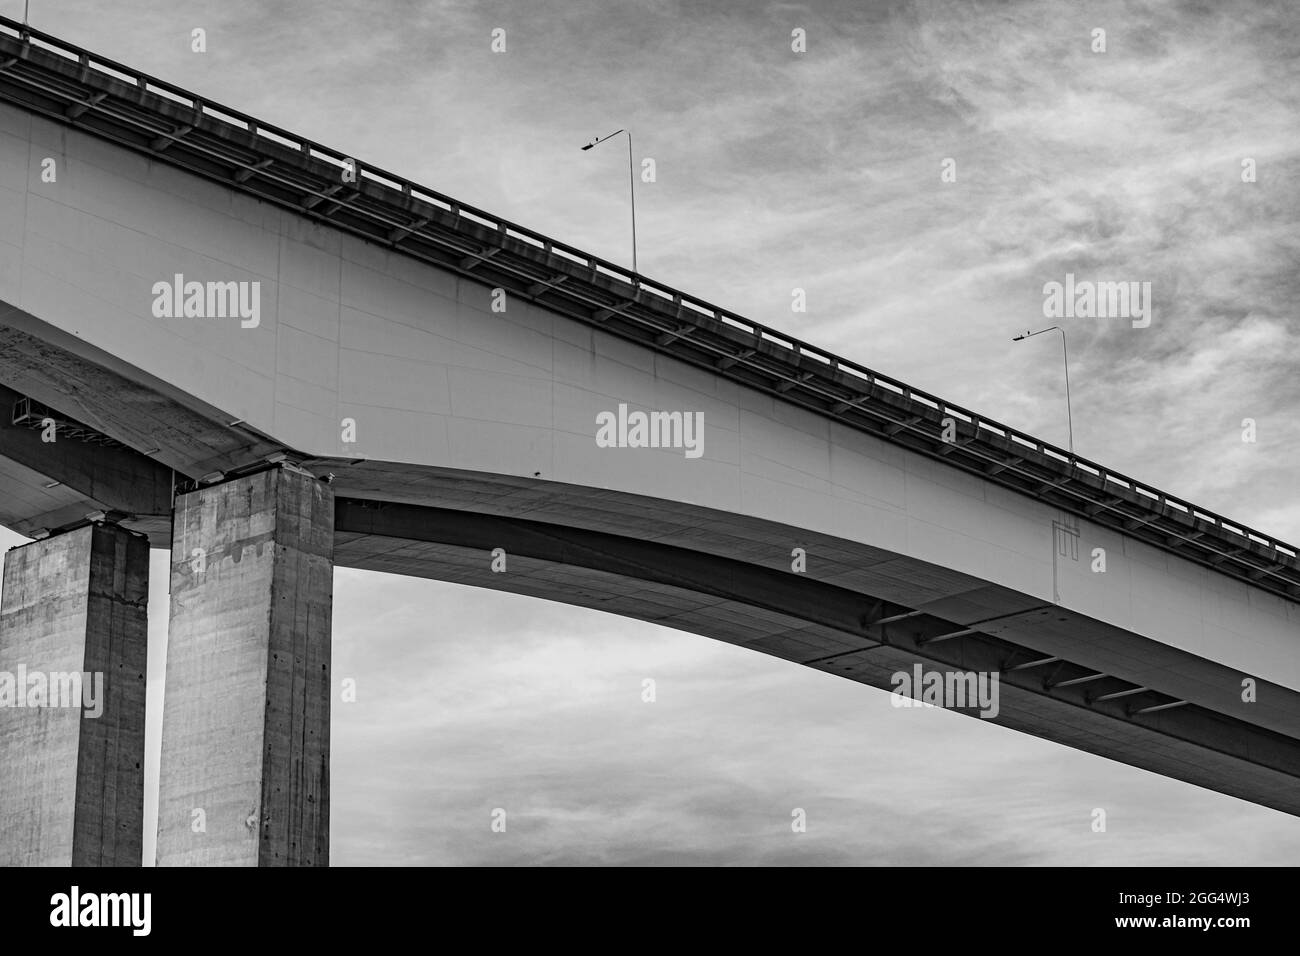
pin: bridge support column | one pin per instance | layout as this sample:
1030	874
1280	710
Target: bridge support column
72	748
246	722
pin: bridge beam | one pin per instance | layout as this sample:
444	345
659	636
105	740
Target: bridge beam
1106	711
72	756
246	722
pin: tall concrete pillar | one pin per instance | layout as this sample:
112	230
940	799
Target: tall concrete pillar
246	720
72	748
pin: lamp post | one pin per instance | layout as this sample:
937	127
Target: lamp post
1069	415
631	182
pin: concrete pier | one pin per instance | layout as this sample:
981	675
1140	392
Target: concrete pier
245	748
72	770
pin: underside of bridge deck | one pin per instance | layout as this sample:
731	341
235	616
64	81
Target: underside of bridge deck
125	450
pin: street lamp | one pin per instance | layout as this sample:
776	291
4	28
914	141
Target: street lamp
631	181
1069	415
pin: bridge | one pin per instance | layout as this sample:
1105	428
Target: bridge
272	359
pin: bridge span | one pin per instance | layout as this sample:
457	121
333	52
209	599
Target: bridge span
219	338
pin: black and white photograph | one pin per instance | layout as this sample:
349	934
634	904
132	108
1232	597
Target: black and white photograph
625	434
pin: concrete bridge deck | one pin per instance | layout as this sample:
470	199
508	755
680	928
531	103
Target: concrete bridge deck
438	429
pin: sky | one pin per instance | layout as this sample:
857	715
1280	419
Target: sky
819	170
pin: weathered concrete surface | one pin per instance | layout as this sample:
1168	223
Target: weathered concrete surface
72	785
76	477
245	746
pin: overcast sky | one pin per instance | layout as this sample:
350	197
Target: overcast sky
821	171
